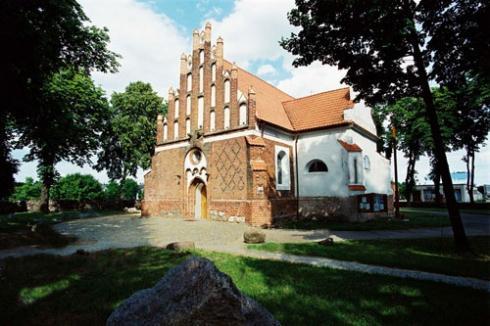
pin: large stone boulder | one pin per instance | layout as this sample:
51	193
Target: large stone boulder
253	236
193	293
181	246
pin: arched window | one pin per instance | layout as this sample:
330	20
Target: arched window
165	131
367	163
177	108
243	114
201	56
282	168
188	105
200	112
316	166
189	82
201	79
213	72
188	126
227	117
227	91
176	130
212	121
213	96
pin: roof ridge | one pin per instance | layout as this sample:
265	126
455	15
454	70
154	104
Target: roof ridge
311	95
255	76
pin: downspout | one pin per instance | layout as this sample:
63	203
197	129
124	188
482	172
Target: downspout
297	177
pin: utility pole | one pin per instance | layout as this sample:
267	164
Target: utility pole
397	195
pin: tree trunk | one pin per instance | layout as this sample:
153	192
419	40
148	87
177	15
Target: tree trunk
410	177
460	239
47	175
470	170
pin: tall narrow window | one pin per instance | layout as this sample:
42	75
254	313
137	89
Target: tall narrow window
165	131
227	91
356	173
188	105
201	56
177	108
189	82
243	114
176	130
201	79
213	96
227	118
213	72
212	121
282	168
200	112
188	126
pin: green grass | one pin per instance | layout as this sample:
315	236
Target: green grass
436	255
412	220
16	229
83	290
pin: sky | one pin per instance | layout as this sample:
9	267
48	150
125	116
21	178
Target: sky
152	34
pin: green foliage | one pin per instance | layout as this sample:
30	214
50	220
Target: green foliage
130	134
73	112
128	189
30	189
112	191
79	187
44	37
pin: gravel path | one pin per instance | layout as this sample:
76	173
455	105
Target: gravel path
123	231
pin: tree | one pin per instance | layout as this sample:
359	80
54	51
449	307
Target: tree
395	48
78	187
129	136
30	189
72	112
472	104
43	37
129	189
8	166
112	191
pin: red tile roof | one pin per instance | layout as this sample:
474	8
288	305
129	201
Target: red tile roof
318	110
255	141
274	106
349	147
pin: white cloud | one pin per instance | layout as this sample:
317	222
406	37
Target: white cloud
266	70
150	44
253	29
312	79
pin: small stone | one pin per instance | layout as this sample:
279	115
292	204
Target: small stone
253	236
181	246
326	242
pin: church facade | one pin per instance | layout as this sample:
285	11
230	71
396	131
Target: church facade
234	148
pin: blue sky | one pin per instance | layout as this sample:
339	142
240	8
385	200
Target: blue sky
150	35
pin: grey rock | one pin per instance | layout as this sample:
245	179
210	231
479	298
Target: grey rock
253	236
193	293
180	246
326	242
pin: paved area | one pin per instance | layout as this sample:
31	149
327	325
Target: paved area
123	231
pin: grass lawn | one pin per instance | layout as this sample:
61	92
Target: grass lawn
413	220
83	290
436	255
17	229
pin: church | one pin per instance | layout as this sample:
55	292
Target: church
233	147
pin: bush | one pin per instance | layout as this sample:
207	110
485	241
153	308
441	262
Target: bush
30	189
77	187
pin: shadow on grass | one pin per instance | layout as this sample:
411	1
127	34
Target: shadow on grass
82	290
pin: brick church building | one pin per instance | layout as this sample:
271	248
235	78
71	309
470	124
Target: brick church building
232	147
